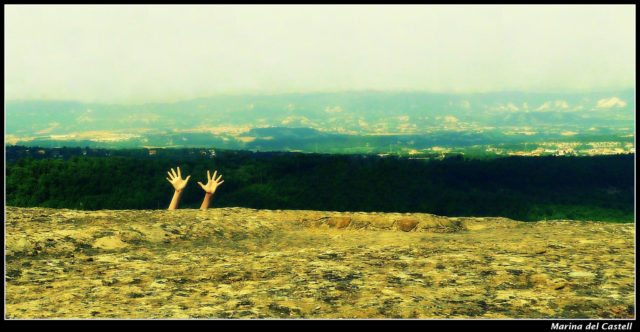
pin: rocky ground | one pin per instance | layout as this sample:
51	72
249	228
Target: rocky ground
245	263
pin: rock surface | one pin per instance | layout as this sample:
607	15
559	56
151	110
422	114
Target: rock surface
245	263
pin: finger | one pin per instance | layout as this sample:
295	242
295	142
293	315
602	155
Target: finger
201	185
179	175
219	183
169	180
219	177
170	176
174	173
187	179
214	175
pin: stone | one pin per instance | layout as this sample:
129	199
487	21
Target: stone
338	222
359	223
311	216
21	246
130	236
558	284
431	221
581	274
539	279
406	225
381	221
153	234
109	243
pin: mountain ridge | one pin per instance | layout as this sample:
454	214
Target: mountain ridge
360	112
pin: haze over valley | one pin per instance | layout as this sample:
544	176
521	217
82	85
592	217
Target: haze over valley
307	122
379	79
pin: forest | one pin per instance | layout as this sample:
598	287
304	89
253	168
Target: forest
523	188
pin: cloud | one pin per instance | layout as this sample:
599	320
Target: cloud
544	106
52	125
297	119
508	107
561	104
512	107
333	110
451	119
464	104
610	102
84	118
549	105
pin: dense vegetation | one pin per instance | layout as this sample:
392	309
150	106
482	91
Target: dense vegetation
522	188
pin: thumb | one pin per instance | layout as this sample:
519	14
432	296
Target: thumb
201	185
187	179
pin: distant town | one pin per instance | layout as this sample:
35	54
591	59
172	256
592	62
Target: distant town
544	149
14	152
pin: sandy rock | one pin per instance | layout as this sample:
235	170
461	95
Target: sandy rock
109	243
581	274
431	221
359	222
130	236
338	222
381	222
305	216
247	263
539	279
22	245
406	225
558	284
153	234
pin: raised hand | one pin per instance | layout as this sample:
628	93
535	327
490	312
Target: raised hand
210	188
178	184
212	183
176	180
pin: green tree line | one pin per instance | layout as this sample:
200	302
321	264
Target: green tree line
522	188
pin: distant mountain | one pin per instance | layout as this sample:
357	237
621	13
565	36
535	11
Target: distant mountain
346	112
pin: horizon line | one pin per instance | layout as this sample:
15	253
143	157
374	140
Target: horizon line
353	91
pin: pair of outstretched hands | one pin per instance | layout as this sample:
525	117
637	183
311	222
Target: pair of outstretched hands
179	184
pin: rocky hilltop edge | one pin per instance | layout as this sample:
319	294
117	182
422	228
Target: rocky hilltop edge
247	263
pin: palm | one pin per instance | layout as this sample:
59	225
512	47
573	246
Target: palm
179	184
212	183
176	180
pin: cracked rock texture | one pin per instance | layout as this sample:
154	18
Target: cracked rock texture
246	263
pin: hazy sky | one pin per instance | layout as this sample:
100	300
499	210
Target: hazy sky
137	54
